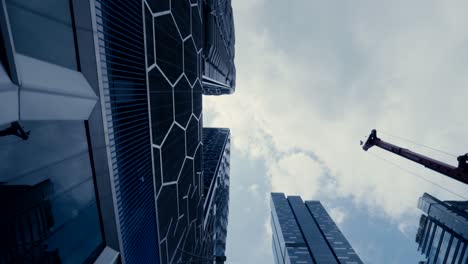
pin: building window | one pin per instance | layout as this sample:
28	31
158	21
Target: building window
43	29
47	196
444	247
453	248
435	244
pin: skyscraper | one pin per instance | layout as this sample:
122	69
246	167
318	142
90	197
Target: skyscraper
219	71
110	93
442	236
305	233
216	156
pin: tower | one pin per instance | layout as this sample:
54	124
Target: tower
305	233
442	235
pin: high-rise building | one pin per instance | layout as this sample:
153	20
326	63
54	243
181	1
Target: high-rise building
303	232
101	131
219	71
442	236
216	163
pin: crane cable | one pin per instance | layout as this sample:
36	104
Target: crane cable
416	143
417	175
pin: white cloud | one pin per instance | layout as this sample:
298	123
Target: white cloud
253	189
406	76
404	228
296	174
337	214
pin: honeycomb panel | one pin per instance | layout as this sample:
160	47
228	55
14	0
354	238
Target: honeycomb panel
173	154
183	185
175	81
197	99
163	250
162	110
200	128
157	168
190	60
192	203
183	207
167	213
196	27
168	47
197	167
182	101
174	235
159	5
191	135
149	36
181	12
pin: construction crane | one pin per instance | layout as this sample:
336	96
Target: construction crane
459	173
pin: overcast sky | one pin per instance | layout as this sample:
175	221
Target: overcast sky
313	78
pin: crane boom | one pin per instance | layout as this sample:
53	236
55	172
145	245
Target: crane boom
459	173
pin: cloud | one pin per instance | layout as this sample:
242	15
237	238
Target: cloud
319	85
296	174
253	189
337	214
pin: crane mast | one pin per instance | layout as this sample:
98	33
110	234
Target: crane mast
459	173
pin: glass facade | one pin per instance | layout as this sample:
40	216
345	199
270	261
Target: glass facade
189	208
121	37
43	29
127	178
216	164
47	196
442	236
305	233
219	71
341	247
175	103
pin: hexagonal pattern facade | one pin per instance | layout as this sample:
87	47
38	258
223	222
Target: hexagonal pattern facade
175	90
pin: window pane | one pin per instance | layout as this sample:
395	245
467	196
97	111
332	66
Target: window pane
429	229
48	197
435	245
461	253
443	248
465	257
43	29
453	248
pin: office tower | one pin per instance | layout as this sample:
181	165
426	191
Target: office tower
101	127
303	232
219	71
216	157
442	236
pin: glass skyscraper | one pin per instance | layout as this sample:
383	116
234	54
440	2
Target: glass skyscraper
216	164
101	130
219	71
303	232
442	236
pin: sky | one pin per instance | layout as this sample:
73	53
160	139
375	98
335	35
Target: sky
313	78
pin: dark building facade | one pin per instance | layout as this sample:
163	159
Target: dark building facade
442	236
219	71
112	169
216	164
303	232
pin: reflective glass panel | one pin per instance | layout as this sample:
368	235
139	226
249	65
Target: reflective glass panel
43	29
443	248
47	195
453	248
435	245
